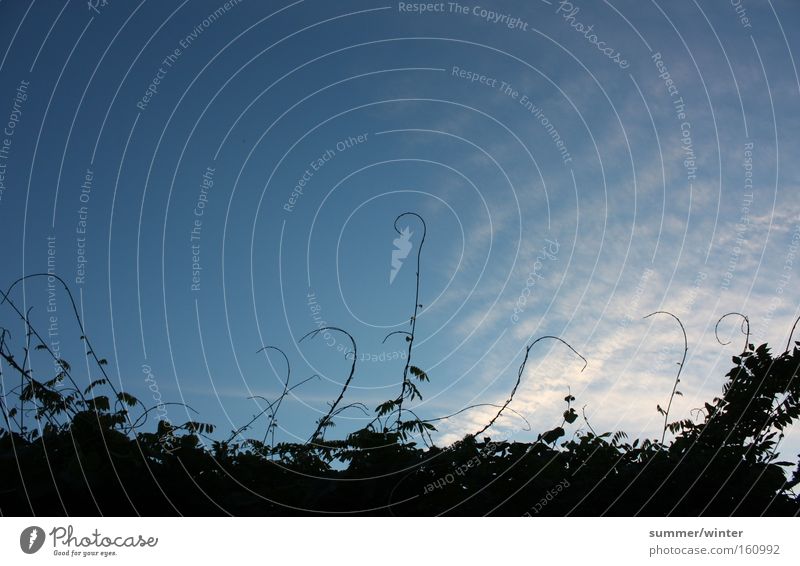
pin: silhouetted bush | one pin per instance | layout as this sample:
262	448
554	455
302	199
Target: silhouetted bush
725	464
73	450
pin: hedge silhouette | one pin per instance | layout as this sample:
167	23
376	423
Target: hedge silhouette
70	449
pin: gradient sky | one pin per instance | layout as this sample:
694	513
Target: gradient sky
609	160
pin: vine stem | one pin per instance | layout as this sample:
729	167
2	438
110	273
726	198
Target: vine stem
323	422
412	334
519	376
25	360
745	328
269	406
77	319
680	368
583	410
274	414
791	333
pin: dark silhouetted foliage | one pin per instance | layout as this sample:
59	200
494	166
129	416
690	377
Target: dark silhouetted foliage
73	450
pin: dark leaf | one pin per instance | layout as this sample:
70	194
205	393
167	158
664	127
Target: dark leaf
552	435
93	384
127	398
421	375
99	403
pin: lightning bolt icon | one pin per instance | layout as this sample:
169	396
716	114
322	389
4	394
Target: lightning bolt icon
34	536
402	248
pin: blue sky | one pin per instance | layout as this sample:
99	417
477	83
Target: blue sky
608	160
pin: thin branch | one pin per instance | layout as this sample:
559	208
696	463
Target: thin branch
680	368
395	332
274	414
41	340
323	421
583	410
143	417
412	334
23	374
789	341
519	376
3	333
91	351
25	360
422	434
3	406
241	429
745	328
357	405
527	423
